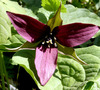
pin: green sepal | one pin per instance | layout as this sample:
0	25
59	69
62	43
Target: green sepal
69	51
30	45
56	20
26	45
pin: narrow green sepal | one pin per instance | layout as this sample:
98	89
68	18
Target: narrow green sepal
26	45
56	20
69	51
30	45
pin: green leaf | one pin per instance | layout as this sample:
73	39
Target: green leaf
5	31
32	2
89	85
75	76
25	58
79	15
72	73
34	5
43	15
97	41
91	55
97	3
15	38
11	6
52	5
29	12
13	43
63	1
5	24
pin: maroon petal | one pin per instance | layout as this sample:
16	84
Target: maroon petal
75	34
29	28
45	63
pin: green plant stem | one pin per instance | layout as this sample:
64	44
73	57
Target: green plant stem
6	75
1	70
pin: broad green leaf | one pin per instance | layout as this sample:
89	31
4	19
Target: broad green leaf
52	5
79	15
32	2
34	5
11	6
5	24
4	15
75	76
91	55
25	58
15	38
72	73
13	43
5	31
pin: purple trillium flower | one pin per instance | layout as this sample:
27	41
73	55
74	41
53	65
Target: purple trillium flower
50	36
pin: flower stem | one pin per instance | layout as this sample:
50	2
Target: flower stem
6	75
3	72
1	69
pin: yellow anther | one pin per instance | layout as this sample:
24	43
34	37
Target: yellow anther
43	42
55	38
50	41
55	44
47	41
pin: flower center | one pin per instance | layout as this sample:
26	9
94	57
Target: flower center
49	41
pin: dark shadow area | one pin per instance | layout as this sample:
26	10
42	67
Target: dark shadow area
24	77
25	81
11	69
97	41
20	78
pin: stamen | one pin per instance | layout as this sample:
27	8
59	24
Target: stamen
50	33
55	44
43	42
55	38
50	41
47	41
